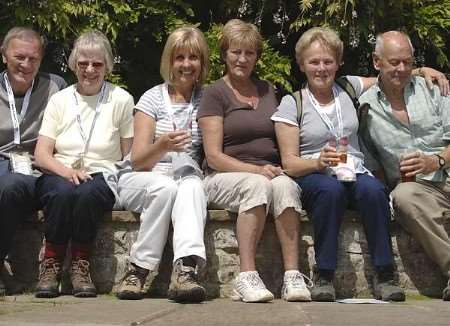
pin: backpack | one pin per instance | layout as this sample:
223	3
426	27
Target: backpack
344	83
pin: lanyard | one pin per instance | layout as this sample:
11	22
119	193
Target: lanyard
12	108
97	111
340	130
169	107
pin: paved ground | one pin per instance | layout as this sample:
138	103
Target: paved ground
106	310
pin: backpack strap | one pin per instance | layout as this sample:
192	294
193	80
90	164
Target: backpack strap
297	95
345	84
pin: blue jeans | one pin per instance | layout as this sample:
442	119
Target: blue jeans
17	201
73	212
326	200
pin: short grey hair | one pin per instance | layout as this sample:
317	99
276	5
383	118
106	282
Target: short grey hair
22	33
92	39
379	45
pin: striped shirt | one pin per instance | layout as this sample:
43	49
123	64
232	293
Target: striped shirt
384	136
152	104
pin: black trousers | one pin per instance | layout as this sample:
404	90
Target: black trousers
73	212
17	201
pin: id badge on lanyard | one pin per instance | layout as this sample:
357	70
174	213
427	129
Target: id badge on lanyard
79	163
17	120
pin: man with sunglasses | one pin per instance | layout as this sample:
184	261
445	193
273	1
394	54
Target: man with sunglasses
406	117
24	93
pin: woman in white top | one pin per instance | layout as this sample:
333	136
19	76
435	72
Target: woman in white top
165	185
86	129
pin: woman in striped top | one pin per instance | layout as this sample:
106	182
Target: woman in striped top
167	136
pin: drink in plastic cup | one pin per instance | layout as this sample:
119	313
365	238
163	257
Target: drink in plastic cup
403	177
332	143
342	149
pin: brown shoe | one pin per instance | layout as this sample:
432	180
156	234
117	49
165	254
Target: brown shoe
184	286
132	284
81	279
49	279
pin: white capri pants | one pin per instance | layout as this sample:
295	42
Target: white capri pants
241	191
160	199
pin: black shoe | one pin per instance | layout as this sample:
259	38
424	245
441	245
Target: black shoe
386	288
389	291
49	279
446	292
323	289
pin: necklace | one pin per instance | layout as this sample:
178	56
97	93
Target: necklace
251	100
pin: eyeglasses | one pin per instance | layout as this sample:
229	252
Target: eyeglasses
96	65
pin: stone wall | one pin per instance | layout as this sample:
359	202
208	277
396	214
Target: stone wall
353	278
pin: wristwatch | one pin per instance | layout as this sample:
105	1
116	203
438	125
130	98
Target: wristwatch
441	161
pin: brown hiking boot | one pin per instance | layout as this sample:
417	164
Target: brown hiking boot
81	279
184	286
132	284
49	279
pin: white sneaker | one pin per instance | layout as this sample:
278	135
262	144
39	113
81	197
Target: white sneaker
249	287
294	287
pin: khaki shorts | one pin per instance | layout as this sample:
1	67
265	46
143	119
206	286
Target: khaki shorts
240	191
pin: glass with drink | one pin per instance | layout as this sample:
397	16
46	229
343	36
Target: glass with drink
405	154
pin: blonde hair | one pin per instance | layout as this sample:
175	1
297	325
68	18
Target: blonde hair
24	34
191	39
92	40
327	38
238	31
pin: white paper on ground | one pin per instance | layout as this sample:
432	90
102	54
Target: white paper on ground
361	301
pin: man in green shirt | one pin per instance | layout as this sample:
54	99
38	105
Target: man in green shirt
406	117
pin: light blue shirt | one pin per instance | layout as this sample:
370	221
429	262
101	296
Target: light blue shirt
384	136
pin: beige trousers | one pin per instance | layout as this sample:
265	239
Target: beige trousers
418	206
241	191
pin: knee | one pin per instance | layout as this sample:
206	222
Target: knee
404	198
331	190
372	190
12	186
259	183
166	190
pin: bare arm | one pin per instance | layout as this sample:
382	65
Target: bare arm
144	152
212	132
288	142
46	161
125	145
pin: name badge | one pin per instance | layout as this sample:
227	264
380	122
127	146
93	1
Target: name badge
21	163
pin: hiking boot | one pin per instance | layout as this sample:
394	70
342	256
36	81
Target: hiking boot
389	291
184	285
49	279
132	284
294	287
323	290
386	288
81	279
446	292
249	287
